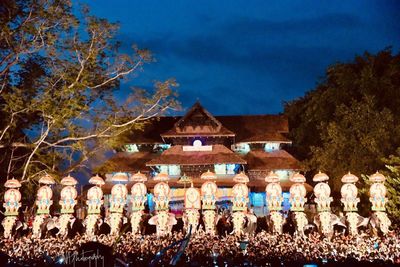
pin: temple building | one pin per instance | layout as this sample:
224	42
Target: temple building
198	141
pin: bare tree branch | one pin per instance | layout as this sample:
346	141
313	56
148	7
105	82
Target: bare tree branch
117	75
37	144
83	61
10	123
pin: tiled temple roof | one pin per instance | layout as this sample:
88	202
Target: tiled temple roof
244	128
257	128
218	155
128	162
275	160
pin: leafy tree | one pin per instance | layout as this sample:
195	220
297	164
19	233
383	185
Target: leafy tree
393	186
350	121
60	69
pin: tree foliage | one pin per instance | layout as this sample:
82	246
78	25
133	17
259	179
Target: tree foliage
350	121
393	186
60	70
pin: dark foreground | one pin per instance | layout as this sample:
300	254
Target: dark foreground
200	249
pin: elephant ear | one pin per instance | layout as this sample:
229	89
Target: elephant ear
342	220
172	220
153	220
51	224
361	221
334	218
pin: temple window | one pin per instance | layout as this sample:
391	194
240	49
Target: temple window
226	169
230	168
131	148
163	169
284	174
161	147
269	147
173	170
242	148
220	168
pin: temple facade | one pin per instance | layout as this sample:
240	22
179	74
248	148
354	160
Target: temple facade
197	142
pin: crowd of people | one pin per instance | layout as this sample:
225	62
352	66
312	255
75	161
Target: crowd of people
262	249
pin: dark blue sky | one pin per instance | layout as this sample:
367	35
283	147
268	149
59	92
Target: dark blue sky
248	57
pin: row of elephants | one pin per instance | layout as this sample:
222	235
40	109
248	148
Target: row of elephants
196	200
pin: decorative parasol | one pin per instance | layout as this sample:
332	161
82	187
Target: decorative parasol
139	177
69	180
349	178
96	180
241	178
47	179
208	176
320	177
377	178
120	177
185	180
297	178
161	177
272	177
12	183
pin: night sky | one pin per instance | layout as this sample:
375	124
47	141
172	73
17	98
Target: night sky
248	57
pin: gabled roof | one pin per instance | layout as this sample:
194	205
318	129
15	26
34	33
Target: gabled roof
257	128
151	132
275	160
125	162
176	156
245	128
198	121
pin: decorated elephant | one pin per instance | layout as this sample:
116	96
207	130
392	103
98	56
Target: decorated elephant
275	221
380	222
60	226
191	219
208	197
300	222
250	228
49	227
164	222
325	221
353	222
39	225
192	206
